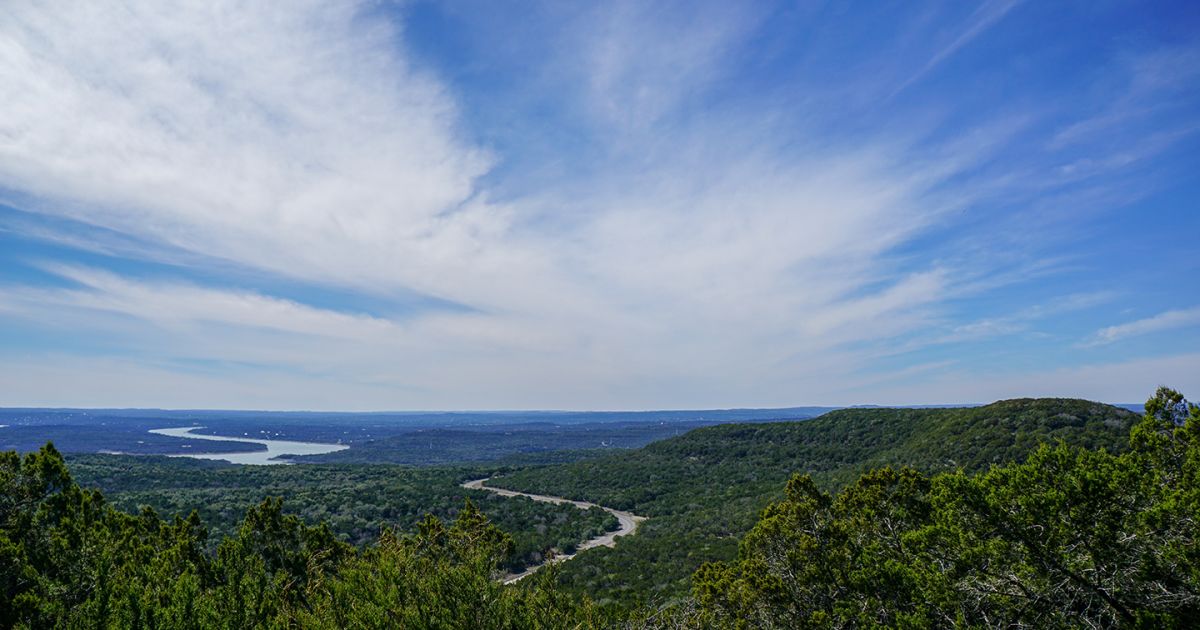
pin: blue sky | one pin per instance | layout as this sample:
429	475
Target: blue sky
623	205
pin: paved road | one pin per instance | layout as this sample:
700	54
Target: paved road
628	523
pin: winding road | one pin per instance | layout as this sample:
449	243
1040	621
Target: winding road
628	524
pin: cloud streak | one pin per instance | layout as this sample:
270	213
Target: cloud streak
1168	320
986	16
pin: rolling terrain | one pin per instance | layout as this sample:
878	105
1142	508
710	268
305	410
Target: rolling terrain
704	490
357	502
1033	512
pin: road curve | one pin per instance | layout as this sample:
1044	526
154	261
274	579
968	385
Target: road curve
628	524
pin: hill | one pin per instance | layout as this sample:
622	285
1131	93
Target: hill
1060	537
705	489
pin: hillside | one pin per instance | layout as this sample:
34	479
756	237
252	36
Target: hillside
1067	537
705	489
356	502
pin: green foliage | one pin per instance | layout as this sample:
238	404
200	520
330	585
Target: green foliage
1063	536
703	490
68	559
357	502
1070	537
439	578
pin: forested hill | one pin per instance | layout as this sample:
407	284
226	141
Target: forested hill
834	448
703	490
1070	537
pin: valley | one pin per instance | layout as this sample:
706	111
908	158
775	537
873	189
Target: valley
627	524
621	532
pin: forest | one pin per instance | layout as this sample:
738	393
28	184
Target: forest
356	502
1029	513
704	490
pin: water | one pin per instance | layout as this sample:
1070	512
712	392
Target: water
276	449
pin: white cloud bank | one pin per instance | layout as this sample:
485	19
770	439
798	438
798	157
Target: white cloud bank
288	137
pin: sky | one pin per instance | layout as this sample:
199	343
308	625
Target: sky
338	205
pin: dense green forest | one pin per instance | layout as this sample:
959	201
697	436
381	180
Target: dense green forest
1068	538
357	502
1082	516
705	489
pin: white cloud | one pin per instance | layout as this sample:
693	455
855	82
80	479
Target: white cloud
1018	322
1168	320
1149	83
639	65
291	138
710	261
984	17
175	305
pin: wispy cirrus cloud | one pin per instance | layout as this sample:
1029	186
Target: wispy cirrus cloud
640	66
698	245
1167	320
1022	320
983	18
1150	83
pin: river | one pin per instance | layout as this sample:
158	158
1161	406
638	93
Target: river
276	449
628	523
